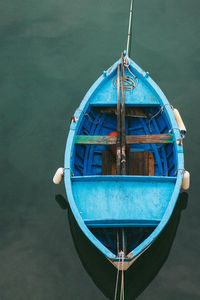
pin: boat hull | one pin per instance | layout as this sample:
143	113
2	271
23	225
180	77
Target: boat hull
101	202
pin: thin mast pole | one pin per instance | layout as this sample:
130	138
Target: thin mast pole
128	47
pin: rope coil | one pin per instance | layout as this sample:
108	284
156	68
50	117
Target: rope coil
130	82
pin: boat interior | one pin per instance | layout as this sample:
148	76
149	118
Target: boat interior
112	205
101	121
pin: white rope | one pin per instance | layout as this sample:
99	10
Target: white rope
122	279
116	285
117	279
129	82
127	65
121	256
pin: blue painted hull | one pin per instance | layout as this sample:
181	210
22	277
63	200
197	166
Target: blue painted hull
104	204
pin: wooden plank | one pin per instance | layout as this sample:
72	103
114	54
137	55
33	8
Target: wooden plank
135	112
129	111
146	139
130	139
96	140
151	164
141	163
145	163
138	163
118	146
108	163
131	163
123	133
108	110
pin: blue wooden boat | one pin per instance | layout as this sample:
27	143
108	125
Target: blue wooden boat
124	166
123	213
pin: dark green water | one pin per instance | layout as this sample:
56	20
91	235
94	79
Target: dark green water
50	54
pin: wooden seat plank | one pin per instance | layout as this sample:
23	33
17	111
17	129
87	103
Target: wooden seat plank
130	139
151	164
141	163
146	139
108	163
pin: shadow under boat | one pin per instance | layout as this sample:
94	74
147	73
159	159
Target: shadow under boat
143	270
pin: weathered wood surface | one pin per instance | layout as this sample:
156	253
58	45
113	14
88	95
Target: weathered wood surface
129	111
141	163
151	164
146	139
96	140
108	163
130	139
123	130
119	152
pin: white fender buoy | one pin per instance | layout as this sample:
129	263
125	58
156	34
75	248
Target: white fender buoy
180	122
186	180
58	176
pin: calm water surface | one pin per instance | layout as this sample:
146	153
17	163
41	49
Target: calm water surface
50	54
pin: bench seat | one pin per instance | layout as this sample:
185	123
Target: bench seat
114	201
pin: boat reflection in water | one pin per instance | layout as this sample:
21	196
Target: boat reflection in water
144	269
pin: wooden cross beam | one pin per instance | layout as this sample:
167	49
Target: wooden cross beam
164	138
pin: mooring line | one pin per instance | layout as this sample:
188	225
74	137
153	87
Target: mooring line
128	47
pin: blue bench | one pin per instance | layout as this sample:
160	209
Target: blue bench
122	201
